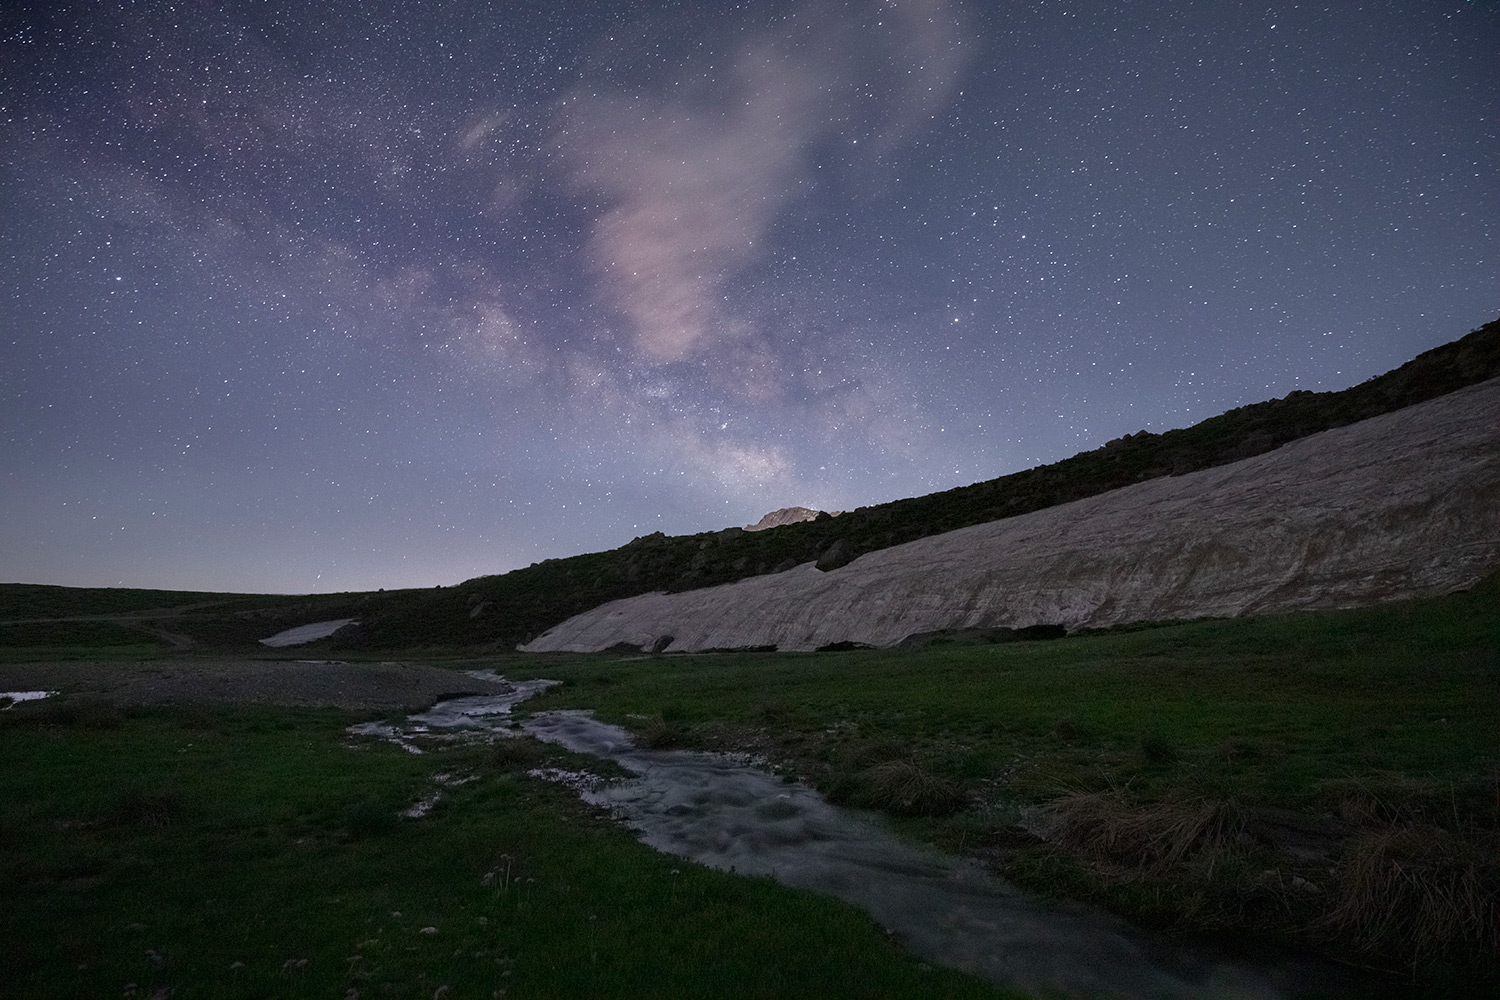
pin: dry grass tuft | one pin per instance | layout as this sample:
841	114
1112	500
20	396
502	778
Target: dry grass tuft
658	733
904	786
1393	801
1421	892
1105	825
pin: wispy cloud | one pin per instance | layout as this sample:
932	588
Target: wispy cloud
694	171
689	174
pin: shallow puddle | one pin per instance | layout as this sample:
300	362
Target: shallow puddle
726	813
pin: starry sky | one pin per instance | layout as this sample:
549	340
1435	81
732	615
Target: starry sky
307	297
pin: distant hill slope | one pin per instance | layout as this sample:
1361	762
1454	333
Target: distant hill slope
40	616
518	606
31	601
1406	504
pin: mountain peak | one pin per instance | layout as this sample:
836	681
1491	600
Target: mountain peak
786	515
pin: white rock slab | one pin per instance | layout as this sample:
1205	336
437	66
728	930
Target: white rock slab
1401	505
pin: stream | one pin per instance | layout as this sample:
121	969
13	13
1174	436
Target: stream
730	815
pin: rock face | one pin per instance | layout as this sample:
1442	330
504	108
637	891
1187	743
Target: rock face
1401	505
786	515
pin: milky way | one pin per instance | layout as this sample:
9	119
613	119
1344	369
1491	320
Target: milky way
299	298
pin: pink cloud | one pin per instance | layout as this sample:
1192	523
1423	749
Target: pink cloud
692	181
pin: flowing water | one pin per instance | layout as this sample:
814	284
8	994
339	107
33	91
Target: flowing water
736	817
730	815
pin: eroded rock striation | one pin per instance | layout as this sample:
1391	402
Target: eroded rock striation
1405	504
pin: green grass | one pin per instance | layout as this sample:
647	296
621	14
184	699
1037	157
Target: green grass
1379	725
254	853
38	654
162	847
1269	709
75	641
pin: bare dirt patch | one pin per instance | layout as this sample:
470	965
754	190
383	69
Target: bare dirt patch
331	683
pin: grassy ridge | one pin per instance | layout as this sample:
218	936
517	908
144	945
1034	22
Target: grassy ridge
20	602
517	606
47	622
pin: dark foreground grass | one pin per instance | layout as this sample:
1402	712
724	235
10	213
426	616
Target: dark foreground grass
1299	777
215	852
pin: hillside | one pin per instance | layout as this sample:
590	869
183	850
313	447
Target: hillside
116	620
1402	505
520	605
516	607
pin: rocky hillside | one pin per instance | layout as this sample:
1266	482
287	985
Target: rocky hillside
518	606
1401	505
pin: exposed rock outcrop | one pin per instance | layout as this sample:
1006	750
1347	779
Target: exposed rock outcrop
1400	505
786	515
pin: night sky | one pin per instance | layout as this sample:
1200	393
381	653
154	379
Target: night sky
319	297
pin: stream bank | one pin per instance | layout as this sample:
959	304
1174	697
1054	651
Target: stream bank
724	812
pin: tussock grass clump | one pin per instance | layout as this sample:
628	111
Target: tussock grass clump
904	786
1401	800
1420	892
658	733
1416	893
860	751
1154	837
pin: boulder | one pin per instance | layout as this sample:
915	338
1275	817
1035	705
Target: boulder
837	555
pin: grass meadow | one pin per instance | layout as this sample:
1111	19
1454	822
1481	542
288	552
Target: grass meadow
246	852
1328	780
